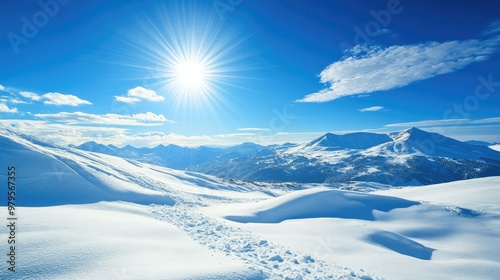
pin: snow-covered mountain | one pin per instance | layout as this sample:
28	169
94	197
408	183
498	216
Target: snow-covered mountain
409	157
418	142
131	220
360	140
50	174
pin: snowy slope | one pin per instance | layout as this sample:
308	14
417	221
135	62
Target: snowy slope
111	240
54	175
434	232
85	215
495	147
360	140
90	216
416	141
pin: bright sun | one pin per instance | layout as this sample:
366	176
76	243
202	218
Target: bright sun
189	55
190	76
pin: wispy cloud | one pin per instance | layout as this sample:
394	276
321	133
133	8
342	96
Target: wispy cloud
370	69
2	88
137	94
54	98
371	109
17	101
30	95
126	99
445	122
426	123
59	99
493	28
5	109
383	31
69	133
486	120
253	129
105	119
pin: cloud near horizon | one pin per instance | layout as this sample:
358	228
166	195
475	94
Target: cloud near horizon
55	98
137	94
142	119
5	109
253	129
374	68
445	122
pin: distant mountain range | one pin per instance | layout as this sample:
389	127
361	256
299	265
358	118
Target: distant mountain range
409	157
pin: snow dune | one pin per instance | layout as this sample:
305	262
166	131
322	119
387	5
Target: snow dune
319	203
441	231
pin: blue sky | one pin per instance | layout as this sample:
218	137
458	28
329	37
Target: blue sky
229	71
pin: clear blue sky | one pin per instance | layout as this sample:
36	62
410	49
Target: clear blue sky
229	71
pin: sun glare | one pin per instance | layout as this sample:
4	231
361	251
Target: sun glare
189	55
191	76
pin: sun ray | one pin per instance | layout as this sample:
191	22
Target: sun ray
193	59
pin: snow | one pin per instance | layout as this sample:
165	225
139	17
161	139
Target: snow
317	203
85	215
111	241
482	194
430	232
495	147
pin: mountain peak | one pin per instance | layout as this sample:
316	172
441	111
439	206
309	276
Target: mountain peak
358	140
417	141
415	130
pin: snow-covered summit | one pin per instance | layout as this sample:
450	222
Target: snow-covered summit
419	142
358	140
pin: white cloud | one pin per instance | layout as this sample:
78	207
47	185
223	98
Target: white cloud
66	134
253	129
150	117
487	120
55	98
371	109
137	94
427	123
17	101
30	95
5	109
382	32
370	69
106	119
59	99
493	28
2	88
126	99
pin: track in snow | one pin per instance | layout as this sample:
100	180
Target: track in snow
272	260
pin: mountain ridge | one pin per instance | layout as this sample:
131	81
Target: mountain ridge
408	157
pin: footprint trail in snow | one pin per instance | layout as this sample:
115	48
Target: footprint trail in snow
272	260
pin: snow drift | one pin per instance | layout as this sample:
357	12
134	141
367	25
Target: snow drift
319	203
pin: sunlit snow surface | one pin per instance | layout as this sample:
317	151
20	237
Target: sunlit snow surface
92	216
